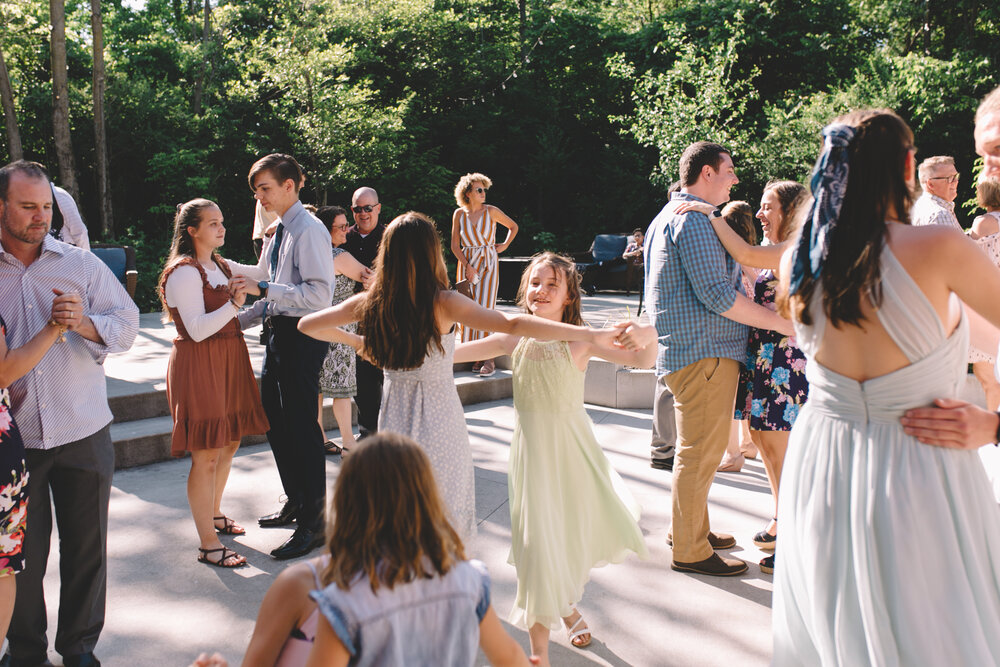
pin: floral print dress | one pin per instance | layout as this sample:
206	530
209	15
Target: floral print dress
337	379
13	487
778	367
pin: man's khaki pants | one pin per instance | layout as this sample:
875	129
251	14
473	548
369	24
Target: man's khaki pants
704	396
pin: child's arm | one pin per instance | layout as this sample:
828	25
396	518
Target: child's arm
280	611
457	308
327	650
324	324
499	647
492	346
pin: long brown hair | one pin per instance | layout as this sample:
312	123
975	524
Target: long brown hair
387	519
876	185
565	267
398	320
188	214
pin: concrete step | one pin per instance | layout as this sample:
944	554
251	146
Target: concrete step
147	440
149	403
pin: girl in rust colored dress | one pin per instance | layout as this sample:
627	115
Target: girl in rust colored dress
211	389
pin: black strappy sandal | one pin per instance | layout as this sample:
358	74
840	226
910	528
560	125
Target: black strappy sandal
229	527
226	555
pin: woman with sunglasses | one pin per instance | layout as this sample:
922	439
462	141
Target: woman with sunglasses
473	240
337	379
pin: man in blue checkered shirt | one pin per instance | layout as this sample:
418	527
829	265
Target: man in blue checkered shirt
695	300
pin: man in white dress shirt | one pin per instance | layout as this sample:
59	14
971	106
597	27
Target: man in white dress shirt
939	180
67	223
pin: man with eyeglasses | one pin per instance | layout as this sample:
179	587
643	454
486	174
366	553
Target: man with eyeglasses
939	180
363	241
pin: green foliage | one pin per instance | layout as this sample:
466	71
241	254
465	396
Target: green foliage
579	114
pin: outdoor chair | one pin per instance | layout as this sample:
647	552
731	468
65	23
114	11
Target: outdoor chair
121	260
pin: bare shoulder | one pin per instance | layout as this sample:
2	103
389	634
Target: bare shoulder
985	225
926	242
297	579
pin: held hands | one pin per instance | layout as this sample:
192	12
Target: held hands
237	293
67	310
471	274
633	336
242	284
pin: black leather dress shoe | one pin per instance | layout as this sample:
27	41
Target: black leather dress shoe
300	543
8	661
81	660
283	517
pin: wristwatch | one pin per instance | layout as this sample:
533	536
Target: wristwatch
716	214
262	286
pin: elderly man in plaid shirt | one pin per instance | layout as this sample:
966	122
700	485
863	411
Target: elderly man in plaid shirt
695	301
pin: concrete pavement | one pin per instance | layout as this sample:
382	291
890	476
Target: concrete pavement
164	607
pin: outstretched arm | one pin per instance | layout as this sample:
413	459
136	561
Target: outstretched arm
489	347
325	325
454	307
761	257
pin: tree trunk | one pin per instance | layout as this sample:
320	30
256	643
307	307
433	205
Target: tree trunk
100	136
523	27
9	113
60	98
199	84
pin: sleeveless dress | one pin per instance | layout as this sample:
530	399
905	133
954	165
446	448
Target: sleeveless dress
211	389
422	403
991	246
777	368
569	510
427	622
13	486
890	549
337	379
295	652
478	241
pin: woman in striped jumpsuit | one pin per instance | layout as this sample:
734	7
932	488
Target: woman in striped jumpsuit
473	240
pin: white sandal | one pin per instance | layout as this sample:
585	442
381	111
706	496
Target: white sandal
573	633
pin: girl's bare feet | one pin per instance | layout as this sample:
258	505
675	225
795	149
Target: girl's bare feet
577	630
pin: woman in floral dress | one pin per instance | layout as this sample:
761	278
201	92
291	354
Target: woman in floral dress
776	363
13	471
337	379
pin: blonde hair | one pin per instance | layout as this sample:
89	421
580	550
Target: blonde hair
565	267
464	185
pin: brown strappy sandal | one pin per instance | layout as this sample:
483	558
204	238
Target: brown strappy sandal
227	554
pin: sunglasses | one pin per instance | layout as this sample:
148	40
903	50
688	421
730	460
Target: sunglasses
481	191
951	179
367	208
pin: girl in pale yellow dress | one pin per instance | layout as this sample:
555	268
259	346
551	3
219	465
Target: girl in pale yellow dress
569	509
